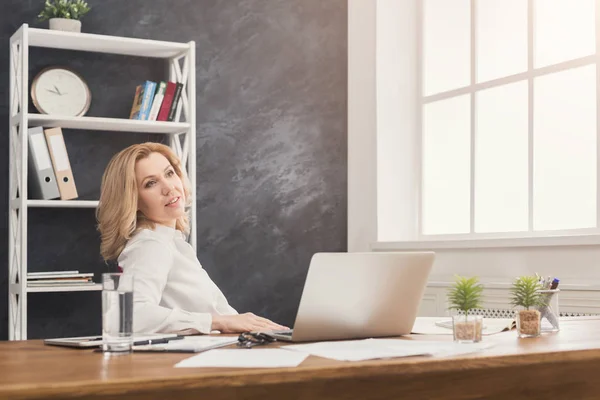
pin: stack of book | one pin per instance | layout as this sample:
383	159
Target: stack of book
156	101
59	278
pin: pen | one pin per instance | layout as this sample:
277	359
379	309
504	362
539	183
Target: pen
156	341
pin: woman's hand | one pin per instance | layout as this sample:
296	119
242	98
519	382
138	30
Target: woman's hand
244	323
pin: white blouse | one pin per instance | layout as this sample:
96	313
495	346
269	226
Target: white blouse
172	292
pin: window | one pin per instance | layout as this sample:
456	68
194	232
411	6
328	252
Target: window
508	117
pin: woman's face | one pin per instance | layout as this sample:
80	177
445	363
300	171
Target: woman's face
160	190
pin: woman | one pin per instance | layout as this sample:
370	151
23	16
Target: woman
142	222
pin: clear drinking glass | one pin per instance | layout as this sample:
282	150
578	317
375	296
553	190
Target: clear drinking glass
117	313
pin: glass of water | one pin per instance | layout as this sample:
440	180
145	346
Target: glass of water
117	313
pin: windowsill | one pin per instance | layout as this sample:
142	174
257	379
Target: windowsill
593	286
571	240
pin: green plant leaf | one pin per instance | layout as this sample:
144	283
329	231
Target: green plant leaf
71	9
465	294
525	292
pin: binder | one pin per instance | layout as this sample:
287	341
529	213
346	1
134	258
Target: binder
60	162
42	181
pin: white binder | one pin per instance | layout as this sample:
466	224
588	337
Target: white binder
42	180
60	162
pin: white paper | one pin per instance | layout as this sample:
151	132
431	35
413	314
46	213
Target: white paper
244	358
427	325
436	348
356	350
369	349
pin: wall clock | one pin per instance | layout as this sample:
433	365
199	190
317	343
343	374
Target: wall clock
60	91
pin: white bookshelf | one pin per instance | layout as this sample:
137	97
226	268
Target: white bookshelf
61	203
107	124
46	289
180	58
106	44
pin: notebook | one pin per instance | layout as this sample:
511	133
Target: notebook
189	344
443	326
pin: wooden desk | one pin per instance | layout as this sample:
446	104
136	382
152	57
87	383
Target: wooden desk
563	365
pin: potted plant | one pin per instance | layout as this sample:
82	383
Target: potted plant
64	15
525	293
465	295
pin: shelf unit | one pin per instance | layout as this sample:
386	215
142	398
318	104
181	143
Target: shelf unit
180	58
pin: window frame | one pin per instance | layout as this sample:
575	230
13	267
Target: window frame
501	239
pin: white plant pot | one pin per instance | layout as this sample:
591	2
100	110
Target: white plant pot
64	24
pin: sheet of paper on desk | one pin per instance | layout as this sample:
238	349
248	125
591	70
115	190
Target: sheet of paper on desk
244	358
370	349
436	348
356	350
432	325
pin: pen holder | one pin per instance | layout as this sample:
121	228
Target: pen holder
549	312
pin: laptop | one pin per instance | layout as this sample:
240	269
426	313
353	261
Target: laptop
360	295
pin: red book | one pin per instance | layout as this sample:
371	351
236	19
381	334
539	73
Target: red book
163	114
176	98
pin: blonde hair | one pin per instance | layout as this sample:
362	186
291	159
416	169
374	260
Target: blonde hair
117	213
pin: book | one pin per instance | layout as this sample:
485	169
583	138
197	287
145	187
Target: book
163	114
443	326
52	273
189	344
179	106
137	103
59	277
60	284
61	281
157	102
176	99
148	90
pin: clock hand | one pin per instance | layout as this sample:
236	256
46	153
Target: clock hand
51	91
57	91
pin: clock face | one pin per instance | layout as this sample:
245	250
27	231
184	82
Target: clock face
59	91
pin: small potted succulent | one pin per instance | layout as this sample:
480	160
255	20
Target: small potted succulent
525	293
64	15
465	295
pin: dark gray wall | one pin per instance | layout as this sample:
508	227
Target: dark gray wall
271	146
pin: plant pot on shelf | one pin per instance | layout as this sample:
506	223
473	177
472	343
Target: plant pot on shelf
528	323
467	328
65	24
